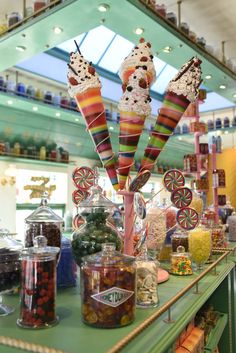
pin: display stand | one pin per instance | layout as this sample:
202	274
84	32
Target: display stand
128	221
215	188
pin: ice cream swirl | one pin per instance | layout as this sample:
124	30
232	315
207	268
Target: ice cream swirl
81	75
187	80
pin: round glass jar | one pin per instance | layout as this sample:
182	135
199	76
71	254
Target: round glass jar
181	263
217	236
43	221
200	245
97	228
232	226
197	203
38	285
179	238
108	283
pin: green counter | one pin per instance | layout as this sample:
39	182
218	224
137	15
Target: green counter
72	336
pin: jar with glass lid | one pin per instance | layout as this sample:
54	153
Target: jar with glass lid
9	267
108	282
181	263
218	235
98	226
38	285
43	221
232	226
179	238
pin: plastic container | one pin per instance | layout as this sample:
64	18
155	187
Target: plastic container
43	221
180	262
200	245
179	238
96	210
66	269
38	285
108	283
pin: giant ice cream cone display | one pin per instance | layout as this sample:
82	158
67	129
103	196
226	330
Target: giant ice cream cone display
134	107
85	87
181	91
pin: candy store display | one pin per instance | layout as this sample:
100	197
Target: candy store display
85	88
179	238
197	203
108	283
181	197
95	210
9	267
38	285
180	262
217	236
43	221
200	245
146	290
66	268
231	220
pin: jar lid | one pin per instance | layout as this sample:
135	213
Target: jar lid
180	252
107	257
43	213
7	244
40	251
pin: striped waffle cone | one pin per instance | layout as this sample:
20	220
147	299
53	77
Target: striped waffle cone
91	107
169	115
131	127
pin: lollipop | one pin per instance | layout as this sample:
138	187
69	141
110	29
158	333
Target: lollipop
173	179
181	197
78	221
83	178
140	180
187	218
79	195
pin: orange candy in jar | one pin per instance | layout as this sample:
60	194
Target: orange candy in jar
108	284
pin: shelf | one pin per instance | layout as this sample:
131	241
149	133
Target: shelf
34	161
216	333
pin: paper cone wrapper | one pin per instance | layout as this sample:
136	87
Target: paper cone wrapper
170	113
131	127
92	109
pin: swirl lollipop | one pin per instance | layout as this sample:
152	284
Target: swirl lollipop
83	178
173	179
187	218
78	221
79	195
140	181
181	197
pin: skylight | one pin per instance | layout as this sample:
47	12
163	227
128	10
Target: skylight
163	79
69	45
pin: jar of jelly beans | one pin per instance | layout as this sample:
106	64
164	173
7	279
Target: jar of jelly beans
108	285
38	285
181	263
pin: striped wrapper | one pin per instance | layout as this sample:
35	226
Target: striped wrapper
131	127
169	115
92	109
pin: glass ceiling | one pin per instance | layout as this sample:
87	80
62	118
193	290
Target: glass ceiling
107	50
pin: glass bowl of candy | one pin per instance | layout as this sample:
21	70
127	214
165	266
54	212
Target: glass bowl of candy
9	268
200	245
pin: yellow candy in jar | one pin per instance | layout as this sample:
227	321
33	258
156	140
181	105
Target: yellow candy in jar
200	245
197	203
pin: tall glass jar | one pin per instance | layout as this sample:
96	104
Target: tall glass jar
218	236
38	285
43	221
200	245
179	238
108	281
181	263
197	203
232	226
98	228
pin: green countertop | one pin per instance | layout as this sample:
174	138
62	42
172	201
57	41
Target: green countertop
72	336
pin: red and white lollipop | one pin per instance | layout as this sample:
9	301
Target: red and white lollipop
187	218
181	197
173	179
83	178
79	195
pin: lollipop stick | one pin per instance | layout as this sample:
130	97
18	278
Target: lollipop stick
77	47
152	197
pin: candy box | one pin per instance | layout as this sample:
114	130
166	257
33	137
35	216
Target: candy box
194	343
181	350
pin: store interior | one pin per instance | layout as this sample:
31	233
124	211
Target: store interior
45	142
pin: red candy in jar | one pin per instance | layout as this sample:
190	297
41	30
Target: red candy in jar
38	285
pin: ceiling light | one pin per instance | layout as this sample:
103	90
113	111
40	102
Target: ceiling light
226	132
234	95
167	49
76	119
138	30
10	102
208	77
57	30
111	128
20	48
35	109
179	138
222	87
58	114
103	7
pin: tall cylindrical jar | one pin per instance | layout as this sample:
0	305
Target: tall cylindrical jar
108	281
38	285
232	226
200	245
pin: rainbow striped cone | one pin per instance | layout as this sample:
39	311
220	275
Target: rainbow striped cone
169	115
92	109
131	127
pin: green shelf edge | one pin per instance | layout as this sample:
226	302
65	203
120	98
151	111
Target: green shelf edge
34	161
216	333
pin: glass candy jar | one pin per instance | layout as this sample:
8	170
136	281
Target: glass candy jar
179	238
43	221
197	203
38	285
200	245
232	226
9	267
218	236
146	289
181	263
108	288
97	228
225	212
